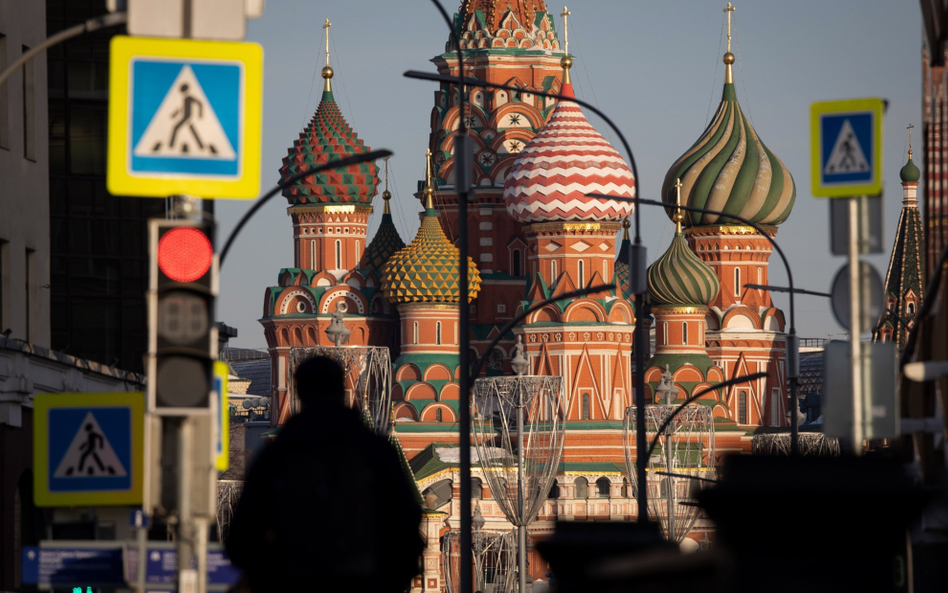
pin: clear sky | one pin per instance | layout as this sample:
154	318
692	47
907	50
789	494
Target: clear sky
654	67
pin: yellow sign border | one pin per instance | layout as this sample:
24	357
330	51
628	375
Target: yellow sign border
123	49
222	461
817	111
42	404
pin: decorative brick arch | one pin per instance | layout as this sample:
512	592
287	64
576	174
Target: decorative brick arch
290	299
437	372
584	310
421	391
447	413
408	372
354	301
405	410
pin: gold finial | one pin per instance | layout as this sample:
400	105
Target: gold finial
625	229
910	128
729	57
386	195
566	61
678	216
429	185
327	70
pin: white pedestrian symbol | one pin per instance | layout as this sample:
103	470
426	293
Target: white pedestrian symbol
847	155
185	124
90	454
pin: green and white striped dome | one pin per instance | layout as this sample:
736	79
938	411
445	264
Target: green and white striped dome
729	169
680	279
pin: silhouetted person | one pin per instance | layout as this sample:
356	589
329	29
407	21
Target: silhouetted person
327	506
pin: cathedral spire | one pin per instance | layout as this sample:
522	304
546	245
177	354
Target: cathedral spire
729	57
327	70
566	61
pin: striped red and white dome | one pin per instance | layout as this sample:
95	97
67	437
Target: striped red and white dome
567	160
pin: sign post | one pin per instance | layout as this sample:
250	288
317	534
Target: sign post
846	157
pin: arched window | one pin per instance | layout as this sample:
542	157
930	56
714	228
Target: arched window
684	333
338	254
624	493
554	491
414	332
737	283
582	274
605	269
742	407
552	270
586	410
439	417
665	333
602	487
580	485
910	308
312	255
516	267
438	333
357	251
455	333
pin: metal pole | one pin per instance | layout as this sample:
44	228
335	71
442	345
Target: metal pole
141	535
669	491
522	527
201	525
641	440
855	319
187	579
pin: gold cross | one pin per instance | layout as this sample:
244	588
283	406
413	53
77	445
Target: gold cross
678	217
565	14
728	12
386	172
326	27
909	128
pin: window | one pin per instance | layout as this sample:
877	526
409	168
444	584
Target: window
624	493
4	101
684	333
665	333
737	283
552	270
438	333
414	332
580	486
312	254
585	411
338	254
357	251
515	268
554	491
29	108
742	407
910	308
477	490
438	415
30	261
602	487
501	308
582	274
455	333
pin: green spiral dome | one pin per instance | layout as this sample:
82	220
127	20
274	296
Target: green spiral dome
680	279
730	170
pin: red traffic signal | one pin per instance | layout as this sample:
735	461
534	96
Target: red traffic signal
185	254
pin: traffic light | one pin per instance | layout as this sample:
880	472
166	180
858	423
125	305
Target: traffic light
182	333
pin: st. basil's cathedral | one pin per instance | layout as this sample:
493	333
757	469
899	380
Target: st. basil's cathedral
536	232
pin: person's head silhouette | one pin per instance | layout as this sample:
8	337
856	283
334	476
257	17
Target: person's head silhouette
89	427
184	87
320	381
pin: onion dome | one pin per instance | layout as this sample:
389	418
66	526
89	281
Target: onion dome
565	161
328	138
729	169
679	278
427	270
910	172
387	240
622	260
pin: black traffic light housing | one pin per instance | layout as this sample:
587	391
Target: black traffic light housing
182	333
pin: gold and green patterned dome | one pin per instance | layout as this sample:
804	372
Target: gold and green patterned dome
680	279
427	270
730	170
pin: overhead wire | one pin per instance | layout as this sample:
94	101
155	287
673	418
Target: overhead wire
717	63
750	112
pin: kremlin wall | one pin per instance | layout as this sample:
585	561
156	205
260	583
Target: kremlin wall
534	233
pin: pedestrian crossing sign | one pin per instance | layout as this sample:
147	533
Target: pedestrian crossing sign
846	147
184	118
88	449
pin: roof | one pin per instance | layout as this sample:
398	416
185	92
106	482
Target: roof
679	277
729	169
385	243
327	138
257	371
565	161
810	380
524	25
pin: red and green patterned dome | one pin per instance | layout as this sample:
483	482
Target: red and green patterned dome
329	138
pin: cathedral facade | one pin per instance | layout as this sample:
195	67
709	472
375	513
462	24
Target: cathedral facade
535	232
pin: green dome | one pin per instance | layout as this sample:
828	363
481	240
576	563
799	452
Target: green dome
729	169
910	172
386	242
680	279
